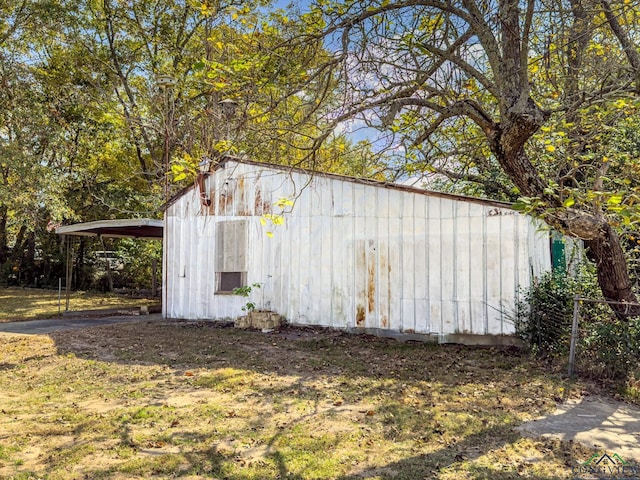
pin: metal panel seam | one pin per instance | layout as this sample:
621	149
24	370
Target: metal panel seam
485	294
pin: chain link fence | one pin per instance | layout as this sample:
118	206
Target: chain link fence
595	342
602	344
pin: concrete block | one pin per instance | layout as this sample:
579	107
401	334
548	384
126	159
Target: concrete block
260	320
242	322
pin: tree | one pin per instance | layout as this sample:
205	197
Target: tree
483	90
86	129
30	151
251	64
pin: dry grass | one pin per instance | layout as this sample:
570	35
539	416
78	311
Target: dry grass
196	401
28	303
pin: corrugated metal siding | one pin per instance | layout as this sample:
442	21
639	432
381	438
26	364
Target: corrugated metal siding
354	255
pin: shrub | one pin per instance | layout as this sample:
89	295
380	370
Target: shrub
544	313
607	347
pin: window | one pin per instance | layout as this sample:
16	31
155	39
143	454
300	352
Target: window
231	263
228	281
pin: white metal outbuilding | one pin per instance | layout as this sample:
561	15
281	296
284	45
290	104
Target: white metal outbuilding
350	253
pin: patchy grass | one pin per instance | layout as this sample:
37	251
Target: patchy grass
196	401
28	303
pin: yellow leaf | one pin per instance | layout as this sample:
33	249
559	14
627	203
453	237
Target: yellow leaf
550	148
284	202
615	199
270	234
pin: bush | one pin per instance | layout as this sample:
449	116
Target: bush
607	346
138	257
544	313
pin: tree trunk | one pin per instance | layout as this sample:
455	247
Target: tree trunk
603	244
520	118
81	281
4	248
611	265
18	247
30	259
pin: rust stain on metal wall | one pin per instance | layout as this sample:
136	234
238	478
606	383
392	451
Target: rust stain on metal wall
226	199
385	269
384	302
212	205
257	207
262	204
360	316
205	200
371	285
385	320
242	209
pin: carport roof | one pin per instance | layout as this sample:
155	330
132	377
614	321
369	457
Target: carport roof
125	228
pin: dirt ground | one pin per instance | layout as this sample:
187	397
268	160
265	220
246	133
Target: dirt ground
162	399
595	421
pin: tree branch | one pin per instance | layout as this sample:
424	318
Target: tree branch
629	48
466	107
464	66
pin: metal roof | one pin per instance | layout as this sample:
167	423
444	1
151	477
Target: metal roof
124	228
363	181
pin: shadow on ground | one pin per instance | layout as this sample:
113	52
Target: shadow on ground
450	410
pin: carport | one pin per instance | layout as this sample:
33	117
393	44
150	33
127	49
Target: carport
142	228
